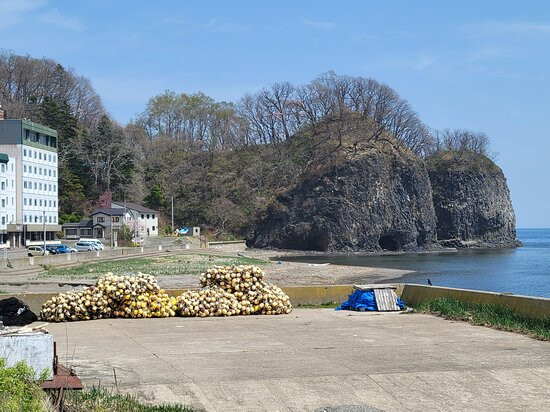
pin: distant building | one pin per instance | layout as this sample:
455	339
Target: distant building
142	221
28	183
75	231
105	222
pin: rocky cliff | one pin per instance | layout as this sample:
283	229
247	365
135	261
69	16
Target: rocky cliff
471	201
378	200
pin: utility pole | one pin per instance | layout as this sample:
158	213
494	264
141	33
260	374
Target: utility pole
44	216
172	214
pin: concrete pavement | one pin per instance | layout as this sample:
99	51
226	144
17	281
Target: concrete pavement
310	360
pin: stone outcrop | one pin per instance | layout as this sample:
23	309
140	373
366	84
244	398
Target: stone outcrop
471	201
381	200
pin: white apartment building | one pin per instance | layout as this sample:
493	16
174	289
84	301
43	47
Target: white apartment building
7	196
31	183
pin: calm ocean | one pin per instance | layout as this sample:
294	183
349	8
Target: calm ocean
523	271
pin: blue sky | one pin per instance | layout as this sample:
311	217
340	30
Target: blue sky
481	65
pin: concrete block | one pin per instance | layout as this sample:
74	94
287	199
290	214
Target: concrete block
35	349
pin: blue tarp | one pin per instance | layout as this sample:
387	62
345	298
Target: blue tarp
363	300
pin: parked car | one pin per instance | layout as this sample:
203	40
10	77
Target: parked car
36	251
52	249
84	247
71	249
63	249
95	242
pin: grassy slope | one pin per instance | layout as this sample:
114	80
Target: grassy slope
494	316
157	266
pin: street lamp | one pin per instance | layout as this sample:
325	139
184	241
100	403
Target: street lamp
44	223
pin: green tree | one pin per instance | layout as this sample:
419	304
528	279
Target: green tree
125	236
156	199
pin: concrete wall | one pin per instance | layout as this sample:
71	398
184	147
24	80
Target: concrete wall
81	257
409	293
35	349
526	305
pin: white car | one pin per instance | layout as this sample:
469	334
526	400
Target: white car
96	243
84	247
36	251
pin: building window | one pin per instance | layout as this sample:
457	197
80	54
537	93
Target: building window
55	219
50	203
40	171
25	201
3	202
116	219
54	188
39	155
100	219
25	218
54	202
40	202
35	219
35	185
49	219
35	202
35	155
153	228
147	215
35	170
142	216
3	186
40	186
3	220
3	167
153	218
50	172
50	188
24	152
71	232
49	158
54	173
25	168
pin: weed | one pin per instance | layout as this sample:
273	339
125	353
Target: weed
172	265
494	316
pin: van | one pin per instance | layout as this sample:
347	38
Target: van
95	242
36	251
84	247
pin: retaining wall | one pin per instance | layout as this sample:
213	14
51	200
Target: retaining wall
61	259
527	305
411	294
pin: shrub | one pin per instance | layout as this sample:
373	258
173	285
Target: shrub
19	392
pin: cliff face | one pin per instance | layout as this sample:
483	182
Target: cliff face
471	201
381	200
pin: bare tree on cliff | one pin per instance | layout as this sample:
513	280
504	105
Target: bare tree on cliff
25	82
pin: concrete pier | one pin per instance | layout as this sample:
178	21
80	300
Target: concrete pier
310	359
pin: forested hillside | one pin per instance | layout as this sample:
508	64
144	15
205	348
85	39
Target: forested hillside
222	162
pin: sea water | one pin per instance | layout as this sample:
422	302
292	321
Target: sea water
524	270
